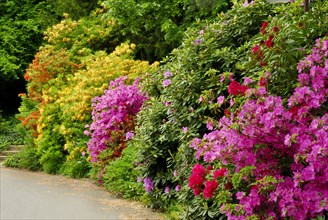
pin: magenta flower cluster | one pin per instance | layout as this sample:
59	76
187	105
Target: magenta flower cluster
287	144
113	116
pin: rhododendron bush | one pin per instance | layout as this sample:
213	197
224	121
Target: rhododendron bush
268	159
113	116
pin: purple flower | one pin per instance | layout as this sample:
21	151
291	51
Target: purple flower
148	184
260	134
210	125
245	4
201	32
247	81
222	78
198	41
167	74
167	189
119	103
185	129
167	82
240	195
178	188
83	153
139	179
129	135
231	102
87	133
167	104
220	100
175	173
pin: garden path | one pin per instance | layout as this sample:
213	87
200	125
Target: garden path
36	195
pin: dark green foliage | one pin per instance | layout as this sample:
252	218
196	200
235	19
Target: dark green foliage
75	8
157	27
21	31
11	132
22	23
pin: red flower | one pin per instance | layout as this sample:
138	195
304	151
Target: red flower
243	89
208	169
219	173
198	169
209	189
293	110
263	81
256	49
269	43
196	183
228	186
196	180
275	29
226	112
235	88
264	25
263	63
197	192
254	187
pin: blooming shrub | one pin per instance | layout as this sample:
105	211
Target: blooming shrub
67	107
113	117
184	94
47	64
276	157
282	41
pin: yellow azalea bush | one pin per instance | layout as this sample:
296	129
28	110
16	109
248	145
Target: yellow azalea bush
82	36
67	106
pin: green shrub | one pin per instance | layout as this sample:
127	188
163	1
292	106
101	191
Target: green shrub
121	175
77	168
11	161
29	159
289	35
196	67
201	69
157	27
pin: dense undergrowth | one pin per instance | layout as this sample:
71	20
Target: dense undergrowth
229	125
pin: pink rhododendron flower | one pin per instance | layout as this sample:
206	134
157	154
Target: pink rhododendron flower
286	148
